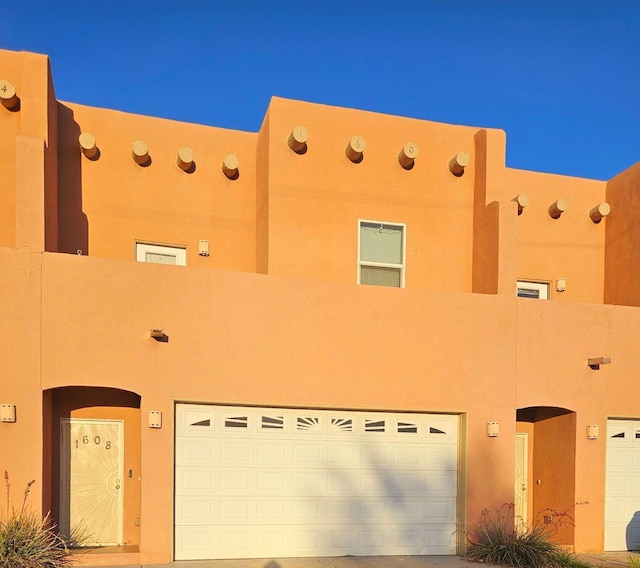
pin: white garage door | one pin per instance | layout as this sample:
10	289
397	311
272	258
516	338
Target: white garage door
258	482
622	510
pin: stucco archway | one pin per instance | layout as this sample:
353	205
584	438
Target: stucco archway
551	433
88	413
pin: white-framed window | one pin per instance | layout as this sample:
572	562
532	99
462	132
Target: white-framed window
381	253
529	289
161	254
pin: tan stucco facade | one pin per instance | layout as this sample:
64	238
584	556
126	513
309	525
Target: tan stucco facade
274	317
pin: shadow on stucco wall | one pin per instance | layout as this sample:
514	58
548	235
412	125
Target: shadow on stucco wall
73	228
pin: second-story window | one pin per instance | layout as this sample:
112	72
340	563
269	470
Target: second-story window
537	290
381	248
161	254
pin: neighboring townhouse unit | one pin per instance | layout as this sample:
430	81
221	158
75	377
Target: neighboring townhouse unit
368	324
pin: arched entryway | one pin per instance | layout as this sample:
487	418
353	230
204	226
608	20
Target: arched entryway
92	446
545	468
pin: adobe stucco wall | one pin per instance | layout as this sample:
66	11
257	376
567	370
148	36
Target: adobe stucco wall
316	199
326	345
250	339
21	444
108	203
555	339
622	260
570	247
28	154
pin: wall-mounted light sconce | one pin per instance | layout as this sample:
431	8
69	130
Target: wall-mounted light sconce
185	159
88	145
159	335
593	432
599	212
8	96
230	166
557	208
458	163
355	149
203	248
408	154
561	284
7	412
493	429
298	138
154	419
595	362
140	153
522	199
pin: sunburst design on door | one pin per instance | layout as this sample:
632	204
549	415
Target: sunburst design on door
92	485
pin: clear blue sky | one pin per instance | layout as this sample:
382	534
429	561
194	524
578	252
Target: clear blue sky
561	77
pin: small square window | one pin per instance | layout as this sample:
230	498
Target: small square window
536	290
381	250
161	254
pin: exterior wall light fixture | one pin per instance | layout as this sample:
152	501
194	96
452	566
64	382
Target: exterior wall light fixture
203	248
561	284
159	335
595	362
593	432
7	413
493	429
154	419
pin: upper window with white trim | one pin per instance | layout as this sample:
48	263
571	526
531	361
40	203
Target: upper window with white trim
381	251
161	254
537	290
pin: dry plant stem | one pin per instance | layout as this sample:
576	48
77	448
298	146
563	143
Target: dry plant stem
27	540
6	482
497	539
26	494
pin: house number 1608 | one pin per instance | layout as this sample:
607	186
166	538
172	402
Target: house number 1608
96	440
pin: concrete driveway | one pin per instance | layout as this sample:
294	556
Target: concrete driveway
320	562
338	562
602	560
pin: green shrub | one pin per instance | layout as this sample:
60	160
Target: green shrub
497	540
633	561
27	540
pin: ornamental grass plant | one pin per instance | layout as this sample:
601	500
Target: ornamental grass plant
497	539
27	540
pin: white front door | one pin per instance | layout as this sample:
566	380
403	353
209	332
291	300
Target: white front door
521	479
91	480
622	493
265	482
